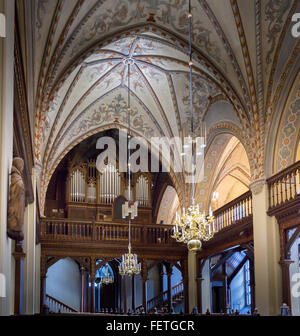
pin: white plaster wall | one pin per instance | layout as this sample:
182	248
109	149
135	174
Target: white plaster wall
64	283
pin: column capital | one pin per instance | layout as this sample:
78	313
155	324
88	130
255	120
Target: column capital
257	186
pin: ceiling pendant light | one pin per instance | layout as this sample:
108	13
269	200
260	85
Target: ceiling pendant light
129	264
193	226
106	278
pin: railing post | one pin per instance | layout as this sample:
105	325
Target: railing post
82	301
93	230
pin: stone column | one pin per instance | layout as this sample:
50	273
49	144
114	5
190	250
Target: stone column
29	265
7	7
266	253
192	280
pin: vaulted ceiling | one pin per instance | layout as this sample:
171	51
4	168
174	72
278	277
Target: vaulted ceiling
76	55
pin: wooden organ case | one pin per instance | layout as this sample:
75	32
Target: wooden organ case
98	195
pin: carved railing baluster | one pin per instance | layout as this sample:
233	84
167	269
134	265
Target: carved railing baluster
284	187
234	211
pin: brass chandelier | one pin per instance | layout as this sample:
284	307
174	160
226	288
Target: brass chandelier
107	278
193	226
129	264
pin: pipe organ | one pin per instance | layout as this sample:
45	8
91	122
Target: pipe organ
142	191
110	184
77	186
91	194
91	182
87	184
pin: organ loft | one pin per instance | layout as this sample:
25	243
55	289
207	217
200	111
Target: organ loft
206	221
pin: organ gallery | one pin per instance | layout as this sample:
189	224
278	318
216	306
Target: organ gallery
149	159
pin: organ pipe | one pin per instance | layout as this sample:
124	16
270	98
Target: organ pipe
142	191
110	184
77	184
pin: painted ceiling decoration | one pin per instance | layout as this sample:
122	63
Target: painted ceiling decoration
80	49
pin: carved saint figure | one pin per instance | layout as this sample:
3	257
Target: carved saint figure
16	204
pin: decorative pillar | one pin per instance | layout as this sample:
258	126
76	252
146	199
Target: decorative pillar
7	7
92	279
43	306
29	246
192	280
18	255
286	287
268	280
82	300
285	262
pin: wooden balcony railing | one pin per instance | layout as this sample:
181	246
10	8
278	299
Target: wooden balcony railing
66	229
56	306
234	211
284	187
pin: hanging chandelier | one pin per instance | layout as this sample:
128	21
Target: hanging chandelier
193	226
129	264
107	278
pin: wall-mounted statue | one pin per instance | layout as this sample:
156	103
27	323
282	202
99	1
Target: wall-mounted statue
16	204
